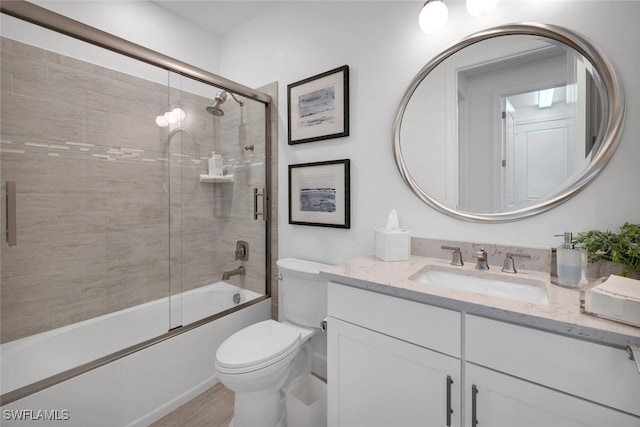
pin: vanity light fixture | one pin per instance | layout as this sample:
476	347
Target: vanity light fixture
170	116
434	13
478	8
433	16
545	98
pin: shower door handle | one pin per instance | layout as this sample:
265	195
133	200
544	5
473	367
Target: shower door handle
256	194
12	238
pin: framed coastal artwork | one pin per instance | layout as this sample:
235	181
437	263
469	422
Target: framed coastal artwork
319	194
318	107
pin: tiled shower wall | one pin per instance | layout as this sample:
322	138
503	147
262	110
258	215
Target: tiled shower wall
103	194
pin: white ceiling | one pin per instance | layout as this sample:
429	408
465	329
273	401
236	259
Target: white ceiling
222	16
218	17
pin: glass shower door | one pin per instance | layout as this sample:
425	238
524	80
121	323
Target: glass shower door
86	273
213	227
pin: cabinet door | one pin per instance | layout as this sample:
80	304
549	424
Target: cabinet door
376	380
498	400
594	372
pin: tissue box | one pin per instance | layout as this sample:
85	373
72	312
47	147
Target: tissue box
392	245
618	298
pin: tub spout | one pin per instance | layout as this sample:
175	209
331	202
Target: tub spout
238	271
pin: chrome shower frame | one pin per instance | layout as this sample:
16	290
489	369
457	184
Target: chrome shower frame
45	18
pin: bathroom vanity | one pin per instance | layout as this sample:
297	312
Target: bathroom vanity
405	352
424	343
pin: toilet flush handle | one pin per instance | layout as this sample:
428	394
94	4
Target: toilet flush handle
323	324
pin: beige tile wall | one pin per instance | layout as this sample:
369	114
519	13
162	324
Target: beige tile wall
98	228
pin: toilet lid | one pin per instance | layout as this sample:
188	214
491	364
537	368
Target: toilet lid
266	341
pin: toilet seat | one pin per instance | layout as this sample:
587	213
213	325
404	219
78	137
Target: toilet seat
257	346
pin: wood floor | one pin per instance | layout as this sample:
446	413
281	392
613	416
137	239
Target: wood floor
213	408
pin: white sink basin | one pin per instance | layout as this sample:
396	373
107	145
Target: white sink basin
514	288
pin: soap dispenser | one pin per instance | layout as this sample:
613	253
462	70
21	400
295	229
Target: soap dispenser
570	263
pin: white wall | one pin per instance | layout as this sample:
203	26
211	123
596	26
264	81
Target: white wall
381	43
140	22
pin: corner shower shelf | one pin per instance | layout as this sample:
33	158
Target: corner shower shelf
213	178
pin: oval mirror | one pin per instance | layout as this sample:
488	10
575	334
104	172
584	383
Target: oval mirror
508	123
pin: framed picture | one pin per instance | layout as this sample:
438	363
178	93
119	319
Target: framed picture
319	107
319	194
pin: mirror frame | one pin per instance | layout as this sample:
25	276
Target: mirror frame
613	123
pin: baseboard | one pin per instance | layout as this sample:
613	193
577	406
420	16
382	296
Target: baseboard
174	404
318	367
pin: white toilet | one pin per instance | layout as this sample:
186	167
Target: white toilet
257	361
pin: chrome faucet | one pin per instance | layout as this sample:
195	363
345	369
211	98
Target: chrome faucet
238	271
481	256
509	266
456	256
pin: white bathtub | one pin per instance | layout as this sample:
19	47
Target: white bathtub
139	388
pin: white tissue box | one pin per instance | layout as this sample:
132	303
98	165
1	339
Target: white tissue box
392	245
618	298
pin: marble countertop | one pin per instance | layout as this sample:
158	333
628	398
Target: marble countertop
562	315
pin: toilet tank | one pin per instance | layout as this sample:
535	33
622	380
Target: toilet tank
302	294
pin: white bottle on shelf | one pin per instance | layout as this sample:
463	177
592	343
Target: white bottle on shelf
215	164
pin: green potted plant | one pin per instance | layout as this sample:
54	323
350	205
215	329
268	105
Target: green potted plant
616	253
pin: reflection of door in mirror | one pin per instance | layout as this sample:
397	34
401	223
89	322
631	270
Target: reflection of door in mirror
516	156
508	143
536	145
594	115
540	160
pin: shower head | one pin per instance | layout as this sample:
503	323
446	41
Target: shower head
215	108
220	98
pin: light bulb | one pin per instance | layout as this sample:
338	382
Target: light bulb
478	8
178	113
170	117
433	16
161	121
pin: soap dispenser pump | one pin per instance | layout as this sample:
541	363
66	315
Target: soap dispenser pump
569	262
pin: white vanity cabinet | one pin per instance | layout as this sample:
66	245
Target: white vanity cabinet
382	381
380	371
516	375
395	362
498	400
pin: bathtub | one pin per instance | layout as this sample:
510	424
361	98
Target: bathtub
134	390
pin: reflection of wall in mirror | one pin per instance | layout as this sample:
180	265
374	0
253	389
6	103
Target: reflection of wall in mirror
424	127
